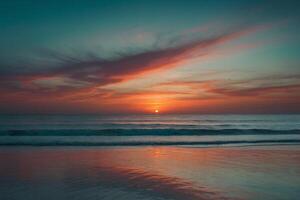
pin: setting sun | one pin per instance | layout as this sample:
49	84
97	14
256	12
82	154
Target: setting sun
156	111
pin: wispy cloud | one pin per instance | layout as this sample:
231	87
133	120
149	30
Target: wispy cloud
88	71
288	85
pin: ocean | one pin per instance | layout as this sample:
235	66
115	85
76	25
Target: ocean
136	130
150	157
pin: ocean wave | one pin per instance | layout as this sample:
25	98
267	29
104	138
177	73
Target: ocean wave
145	132
147	143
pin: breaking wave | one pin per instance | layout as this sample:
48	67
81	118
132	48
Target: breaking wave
145	132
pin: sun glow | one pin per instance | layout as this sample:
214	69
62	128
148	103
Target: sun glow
156	111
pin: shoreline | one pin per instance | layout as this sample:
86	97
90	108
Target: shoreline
280	146
152	143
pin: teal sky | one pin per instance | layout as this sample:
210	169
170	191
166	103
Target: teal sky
139	56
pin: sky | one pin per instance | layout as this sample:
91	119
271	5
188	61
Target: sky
131	57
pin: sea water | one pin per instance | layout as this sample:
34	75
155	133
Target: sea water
136	130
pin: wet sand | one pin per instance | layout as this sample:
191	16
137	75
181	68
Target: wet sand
255	172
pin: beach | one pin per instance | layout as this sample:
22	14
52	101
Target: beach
151	157
253	172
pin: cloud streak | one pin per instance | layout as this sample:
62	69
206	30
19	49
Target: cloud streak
288	85
96	71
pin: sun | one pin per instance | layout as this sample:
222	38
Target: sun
156	111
